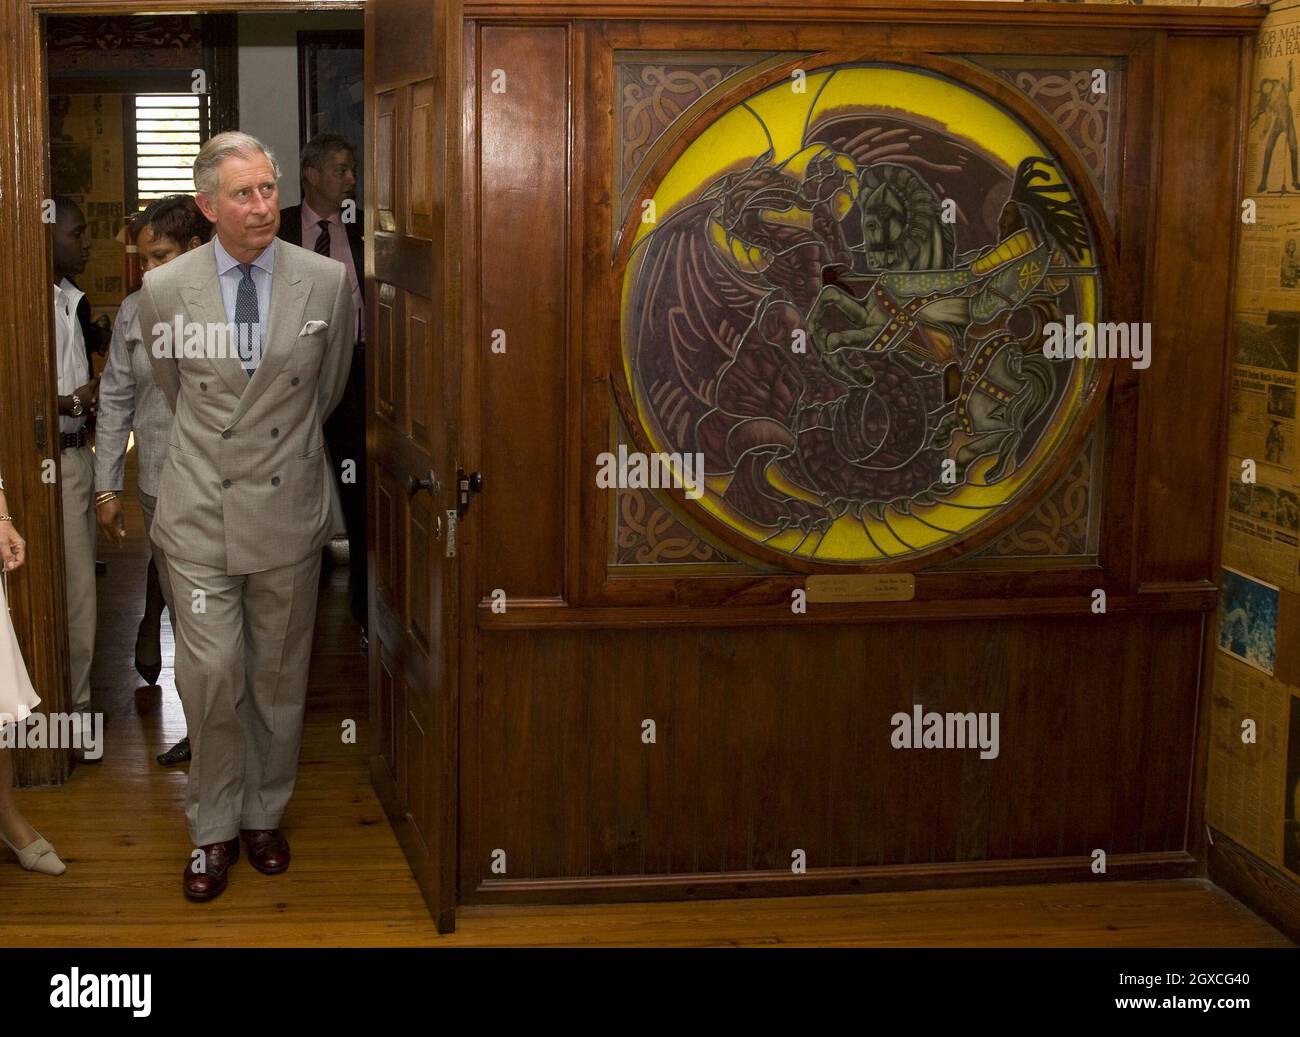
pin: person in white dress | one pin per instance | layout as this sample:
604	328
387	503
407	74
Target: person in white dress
17	697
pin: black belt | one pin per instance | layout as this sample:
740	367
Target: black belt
72	440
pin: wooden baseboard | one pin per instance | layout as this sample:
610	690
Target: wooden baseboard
1272	894
888	878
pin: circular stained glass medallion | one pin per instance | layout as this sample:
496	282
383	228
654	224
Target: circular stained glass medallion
840	306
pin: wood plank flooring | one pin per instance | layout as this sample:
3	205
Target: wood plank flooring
120	827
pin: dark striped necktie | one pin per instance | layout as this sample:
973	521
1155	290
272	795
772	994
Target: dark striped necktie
246	320
323	239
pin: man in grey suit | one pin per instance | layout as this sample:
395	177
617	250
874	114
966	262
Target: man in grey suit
243	500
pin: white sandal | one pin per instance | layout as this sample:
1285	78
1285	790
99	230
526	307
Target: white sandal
38	856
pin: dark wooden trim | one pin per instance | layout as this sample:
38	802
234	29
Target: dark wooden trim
886	879
548	614
130	169
221	56
126	82
1267	891
37	590
1217	20
472	347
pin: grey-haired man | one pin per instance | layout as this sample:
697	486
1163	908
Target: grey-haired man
243	501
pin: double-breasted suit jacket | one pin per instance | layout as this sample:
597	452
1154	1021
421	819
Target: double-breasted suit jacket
244	486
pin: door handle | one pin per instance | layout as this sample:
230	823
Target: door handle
414	485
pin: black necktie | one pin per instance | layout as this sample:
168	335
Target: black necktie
323	241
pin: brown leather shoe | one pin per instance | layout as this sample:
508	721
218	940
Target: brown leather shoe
211	881
268	850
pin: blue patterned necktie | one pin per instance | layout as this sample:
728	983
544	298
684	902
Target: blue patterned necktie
246	320
323	239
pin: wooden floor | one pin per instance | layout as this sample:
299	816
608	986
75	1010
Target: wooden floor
120	827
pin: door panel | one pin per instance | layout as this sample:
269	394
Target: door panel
413	409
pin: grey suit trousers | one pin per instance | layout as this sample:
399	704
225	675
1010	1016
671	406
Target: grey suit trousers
80	534
243	649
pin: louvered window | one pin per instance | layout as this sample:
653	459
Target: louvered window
167	137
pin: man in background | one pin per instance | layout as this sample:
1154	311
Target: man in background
329	222
78	398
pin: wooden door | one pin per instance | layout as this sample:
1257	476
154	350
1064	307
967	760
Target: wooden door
413	403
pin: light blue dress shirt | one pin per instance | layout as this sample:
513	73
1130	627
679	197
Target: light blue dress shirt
229	274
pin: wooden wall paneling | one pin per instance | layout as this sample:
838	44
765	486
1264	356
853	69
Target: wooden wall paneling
878	786
1139	153
1126	756
602	754
722	835
511	680
523	287
790	749
657	705
625	674
1180	475
753	709
1028	699
578	173
675	766
1174	688
574	730
549	799
598	323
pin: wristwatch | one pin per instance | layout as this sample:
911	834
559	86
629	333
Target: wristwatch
76	405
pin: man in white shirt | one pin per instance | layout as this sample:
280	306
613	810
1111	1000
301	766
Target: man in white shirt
78	400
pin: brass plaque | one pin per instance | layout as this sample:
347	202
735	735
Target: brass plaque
881	587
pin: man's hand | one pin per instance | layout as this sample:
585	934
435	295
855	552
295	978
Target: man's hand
13	549
89	396
111	521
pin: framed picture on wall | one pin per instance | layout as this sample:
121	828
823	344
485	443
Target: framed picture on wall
331	88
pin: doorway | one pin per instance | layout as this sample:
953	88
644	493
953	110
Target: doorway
297	80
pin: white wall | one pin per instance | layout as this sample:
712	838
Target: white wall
268	82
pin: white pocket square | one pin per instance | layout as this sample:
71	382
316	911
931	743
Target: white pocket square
313	326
